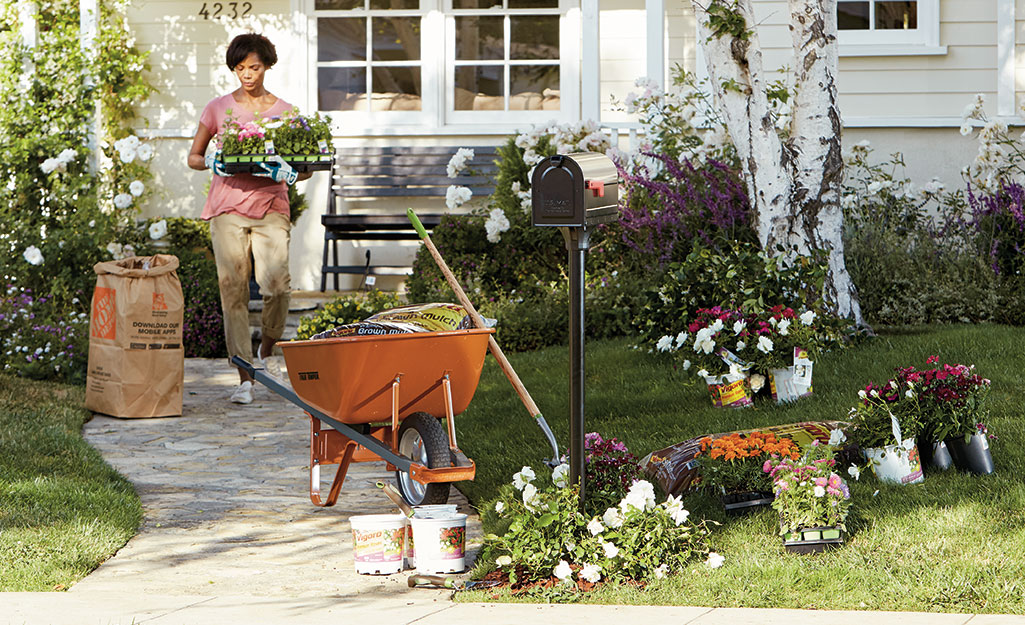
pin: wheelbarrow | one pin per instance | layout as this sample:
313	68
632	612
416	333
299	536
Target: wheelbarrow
382	398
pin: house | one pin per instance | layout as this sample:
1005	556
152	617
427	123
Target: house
461	72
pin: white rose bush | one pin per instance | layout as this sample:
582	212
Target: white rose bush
547	536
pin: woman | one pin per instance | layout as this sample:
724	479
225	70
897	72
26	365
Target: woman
248	213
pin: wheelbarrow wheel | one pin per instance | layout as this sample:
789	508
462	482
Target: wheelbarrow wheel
422	438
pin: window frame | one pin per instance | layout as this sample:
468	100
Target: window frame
437	32
885	42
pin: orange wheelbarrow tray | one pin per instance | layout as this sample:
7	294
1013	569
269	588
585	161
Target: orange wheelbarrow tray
364	387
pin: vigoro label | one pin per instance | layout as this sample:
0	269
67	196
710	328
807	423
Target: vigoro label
378	545
104	324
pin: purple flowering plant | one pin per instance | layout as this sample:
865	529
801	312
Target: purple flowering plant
609	468
40	342
809	492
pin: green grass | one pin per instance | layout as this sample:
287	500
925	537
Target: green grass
63	510
955	543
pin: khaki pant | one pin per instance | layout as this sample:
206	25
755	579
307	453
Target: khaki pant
234	237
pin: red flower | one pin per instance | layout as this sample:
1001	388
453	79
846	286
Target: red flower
931	360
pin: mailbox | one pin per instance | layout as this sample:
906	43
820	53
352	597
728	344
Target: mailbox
575	190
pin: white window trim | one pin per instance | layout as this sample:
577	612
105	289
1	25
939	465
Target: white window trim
437	74
924	40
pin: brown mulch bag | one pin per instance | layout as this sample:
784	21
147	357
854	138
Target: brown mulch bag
136	359
674	468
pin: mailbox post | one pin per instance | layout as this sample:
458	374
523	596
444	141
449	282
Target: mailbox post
575	192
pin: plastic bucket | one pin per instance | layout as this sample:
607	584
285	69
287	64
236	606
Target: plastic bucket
425	512
896	464
378	543
787	385
440	543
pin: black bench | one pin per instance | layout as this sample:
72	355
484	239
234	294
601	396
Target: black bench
388	175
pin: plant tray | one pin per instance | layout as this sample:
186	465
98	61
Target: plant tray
234	164
739	503
812	540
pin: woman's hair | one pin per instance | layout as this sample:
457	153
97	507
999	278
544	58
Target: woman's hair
244	45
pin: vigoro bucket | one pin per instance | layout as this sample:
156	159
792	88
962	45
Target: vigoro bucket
424	512
896	464
378	543
440	543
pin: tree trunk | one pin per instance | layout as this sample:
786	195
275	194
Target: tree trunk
794	185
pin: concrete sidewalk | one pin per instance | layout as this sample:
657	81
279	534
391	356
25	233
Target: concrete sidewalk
230	536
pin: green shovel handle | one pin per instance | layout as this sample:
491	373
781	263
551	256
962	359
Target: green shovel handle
419	227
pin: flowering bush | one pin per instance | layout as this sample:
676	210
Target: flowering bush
809	493
40	342
779	333
609	468
548	536
736	463
951	398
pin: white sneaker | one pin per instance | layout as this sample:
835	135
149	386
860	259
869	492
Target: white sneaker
270	365
243	394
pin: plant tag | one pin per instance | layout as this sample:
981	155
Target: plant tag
371	280
802	367
322	145
268	146
730	358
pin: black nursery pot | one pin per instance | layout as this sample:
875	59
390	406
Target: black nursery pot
739	503
935	456
973	456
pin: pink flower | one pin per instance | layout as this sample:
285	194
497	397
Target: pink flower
821	481
931	360
767	467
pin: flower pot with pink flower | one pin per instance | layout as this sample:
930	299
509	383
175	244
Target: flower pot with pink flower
811	498
886	421
716	346
786	343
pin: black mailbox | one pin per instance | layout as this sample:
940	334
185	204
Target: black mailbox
580	189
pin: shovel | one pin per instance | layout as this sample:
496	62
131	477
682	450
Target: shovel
496	351
457	585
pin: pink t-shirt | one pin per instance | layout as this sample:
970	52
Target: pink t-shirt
245	194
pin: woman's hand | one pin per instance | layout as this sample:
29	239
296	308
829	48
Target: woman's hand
216	165
278	170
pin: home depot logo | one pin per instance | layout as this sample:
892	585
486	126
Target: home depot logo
104	325
158	302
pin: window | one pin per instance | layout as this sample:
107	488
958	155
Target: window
888	23
440	62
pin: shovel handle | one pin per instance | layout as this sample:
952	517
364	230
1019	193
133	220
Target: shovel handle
396	498
435	580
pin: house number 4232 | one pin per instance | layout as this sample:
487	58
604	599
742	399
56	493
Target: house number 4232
229	10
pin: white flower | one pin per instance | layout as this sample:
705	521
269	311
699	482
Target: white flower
612	518
503	560
664	344
874	393
674	506
757	381
524	477
738	326
515	186
590	572
499	506
716	326
128	250
50	165
854	471
595	527
496	224
819	491
458	161
703	373
741	345
686	365
562	570
909	394
136	188
661	570
966	128
933	187
158	229
836	437
764	344
862	394
640	498
115	250
529	495
703	340
560	475
611	551
127	148
144	152
714	560
808	317
784	327
456	196
122	200
33	256
863	144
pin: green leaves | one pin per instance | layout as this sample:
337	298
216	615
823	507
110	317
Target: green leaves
726	20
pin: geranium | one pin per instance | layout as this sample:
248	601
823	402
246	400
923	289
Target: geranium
951	398
809	493
736	462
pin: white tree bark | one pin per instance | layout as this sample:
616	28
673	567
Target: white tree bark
794	184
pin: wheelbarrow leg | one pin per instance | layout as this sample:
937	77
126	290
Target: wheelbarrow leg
336	485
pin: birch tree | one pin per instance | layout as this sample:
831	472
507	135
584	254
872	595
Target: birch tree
793	180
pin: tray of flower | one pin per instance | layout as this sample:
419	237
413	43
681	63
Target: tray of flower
302	141
737	466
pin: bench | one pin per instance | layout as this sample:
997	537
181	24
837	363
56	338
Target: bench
388	176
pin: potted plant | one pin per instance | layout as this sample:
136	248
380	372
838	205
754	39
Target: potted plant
886	422
734	467
786	344
811	498
718	342
953	403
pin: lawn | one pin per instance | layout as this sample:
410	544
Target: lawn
63	510
955	543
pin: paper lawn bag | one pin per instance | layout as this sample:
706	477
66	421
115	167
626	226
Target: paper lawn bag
136	359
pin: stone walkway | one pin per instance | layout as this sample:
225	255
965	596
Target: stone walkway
225	492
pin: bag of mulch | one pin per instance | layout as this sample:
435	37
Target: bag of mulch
136	360
435	317
368	328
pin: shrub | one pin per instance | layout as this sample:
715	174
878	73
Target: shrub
610	470
350	308
43	341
